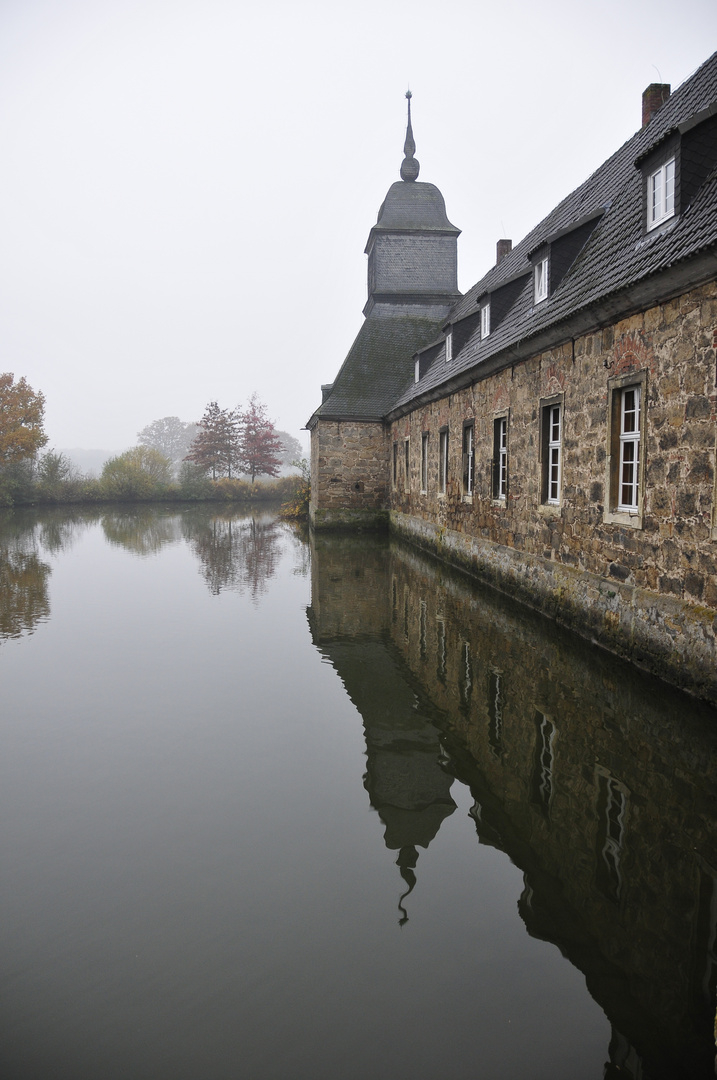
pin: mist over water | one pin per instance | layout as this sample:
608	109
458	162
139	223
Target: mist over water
273	809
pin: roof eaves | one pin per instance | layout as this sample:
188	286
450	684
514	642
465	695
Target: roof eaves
691	271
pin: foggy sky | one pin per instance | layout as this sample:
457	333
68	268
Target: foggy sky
188	185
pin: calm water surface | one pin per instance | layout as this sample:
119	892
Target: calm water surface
277	812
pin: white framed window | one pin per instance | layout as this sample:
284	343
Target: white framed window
500	457
443	461
661	194
552	461
485	321
629	467
417	370
625	465
540	279
449	346
424	463
468	459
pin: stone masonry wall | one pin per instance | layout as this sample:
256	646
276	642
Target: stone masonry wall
643	585
349	470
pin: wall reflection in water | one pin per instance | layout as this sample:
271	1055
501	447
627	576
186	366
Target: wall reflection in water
599	783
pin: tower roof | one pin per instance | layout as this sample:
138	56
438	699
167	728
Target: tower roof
410	206
416	207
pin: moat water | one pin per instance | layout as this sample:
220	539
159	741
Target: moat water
281	810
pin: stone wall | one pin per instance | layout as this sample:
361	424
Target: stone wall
643	585
349	474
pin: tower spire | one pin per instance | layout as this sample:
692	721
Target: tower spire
409	165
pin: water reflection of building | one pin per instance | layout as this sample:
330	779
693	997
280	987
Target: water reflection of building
405	779
597	782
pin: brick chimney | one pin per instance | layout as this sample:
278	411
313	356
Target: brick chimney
655	96
502	248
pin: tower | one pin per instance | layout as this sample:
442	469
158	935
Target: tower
412	257
412	248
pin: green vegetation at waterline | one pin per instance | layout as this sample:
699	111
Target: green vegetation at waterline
296	507
139	475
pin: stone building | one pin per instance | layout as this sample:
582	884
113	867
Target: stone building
554	429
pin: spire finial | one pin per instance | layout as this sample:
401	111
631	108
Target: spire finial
409	165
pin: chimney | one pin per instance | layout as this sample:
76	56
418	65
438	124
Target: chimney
652	99
502	248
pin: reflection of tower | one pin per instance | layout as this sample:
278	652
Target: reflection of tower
405	780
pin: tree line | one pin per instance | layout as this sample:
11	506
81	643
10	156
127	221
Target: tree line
173	459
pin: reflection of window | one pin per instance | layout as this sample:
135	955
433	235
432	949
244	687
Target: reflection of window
704	953
443	461
661	194
611	807
465	688
468	459
424	463
423	611
500	457
495	712
542	785
442	665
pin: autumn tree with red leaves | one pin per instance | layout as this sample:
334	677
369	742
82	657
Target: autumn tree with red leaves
217	443
261	447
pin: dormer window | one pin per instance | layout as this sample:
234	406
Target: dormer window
540	279
661	194
417	369
449	346
485	320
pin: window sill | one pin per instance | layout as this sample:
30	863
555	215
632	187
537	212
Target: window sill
467	499
550	509
661	222
654	232
498	502
623	517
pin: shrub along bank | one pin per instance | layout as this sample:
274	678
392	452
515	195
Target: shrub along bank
138	475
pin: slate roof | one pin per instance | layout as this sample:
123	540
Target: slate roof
378	367
415	206
616	256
